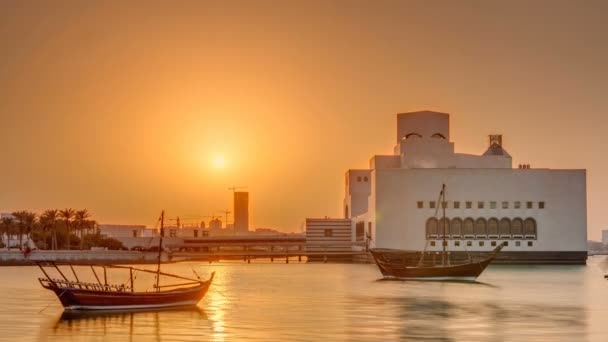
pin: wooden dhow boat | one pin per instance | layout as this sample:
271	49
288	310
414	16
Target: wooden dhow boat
393	263
75	294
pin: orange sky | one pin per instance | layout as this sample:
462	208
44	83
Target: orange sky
121	109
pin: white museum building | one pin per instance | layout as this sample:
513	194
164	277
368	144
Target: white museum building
539	214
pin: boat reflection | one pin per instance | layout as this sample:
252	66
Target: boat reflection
136	324
438	319
456	281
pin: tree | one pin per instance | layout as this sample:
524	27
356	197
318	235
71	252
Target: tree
7	227
48	220
67	214
80	221
22	217
30	222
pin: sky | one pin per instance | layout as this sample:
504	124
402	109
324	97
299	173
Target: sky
125	107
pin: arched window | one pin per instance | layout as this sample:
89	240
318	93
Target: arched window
505	227
438	135
481	228
443	224
469	228
431	228
530	228
365	179
517	228
410	135
358	178
493	228
456	227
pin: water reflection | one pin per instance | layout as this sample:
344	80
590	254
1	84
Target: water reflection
437	319
136	324
454	281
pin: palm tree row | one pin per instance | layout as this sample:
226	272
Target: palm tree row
47	226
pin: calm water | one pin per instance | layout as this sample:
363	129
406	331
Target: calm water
333	302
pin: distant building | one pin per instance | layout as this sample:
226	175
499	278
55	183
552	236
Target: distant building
125	230
605	237
540	215
328	234
241	212
267	231
215	224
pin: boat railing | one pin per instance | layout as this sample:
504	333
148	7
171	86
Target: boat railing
83	285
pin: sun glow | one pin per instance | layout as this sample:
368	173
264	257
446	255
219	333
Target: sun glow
219	162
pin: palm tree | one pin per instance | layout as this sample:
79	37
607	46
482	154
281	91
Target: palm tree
50	220
21	217
67	214
81	219
7	225
30	222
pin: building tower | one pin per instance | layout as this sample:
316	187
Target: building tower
241	212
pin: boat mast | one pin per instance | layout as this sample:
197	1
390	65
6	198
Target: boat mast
443	205
160	247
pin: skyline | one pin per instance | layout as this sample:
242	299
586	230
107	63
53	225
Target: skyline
126	110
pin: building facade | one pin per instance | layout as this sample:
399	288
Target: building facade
241	212
539	214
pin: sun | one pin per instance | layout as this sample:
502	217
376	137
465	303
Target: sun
219	162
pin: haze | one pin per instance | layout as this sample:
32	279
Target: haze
125	108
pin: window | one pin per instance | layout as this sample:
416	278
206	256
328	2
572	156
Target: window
541	205
493	243
369	230
469	204
469	243
360	231
530	243
481	243
530	228
529	205
444	204
480	205
517	228
517	204
365	179
134	232
468	226
432	243
456	227
456	243
505	243
517	243
432	204
505	205
456	205
431	228
328	233
492	205
480	227
195	233
445	243
172	233
420	204
358	178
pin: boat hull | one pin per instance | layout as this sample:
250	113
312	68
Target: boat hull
80	299
391	265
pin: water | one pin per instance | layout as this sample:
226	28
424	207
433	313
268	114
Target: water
333	302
